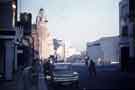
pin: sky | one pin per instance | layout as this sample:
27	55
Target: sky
77	21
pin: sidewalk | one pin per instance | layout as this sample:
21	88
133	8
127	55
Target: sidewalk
8	85
23	80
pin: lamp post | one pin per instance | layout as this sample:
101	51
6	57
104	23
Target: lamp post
64	51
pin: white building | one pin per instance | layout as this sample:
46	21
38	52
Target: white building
64	51
70	51
94	51
105	49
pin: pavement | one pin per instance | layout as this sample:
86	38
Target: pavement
23	80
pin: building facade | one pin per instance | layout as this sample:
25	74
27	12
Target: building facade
127	32
104	50
7	37
94	51
35	44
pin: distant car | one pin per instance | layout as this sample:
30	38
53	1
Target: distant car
63	74
115	62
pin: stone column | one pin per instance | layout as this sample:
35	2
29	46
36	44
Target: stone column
6	25
9	57
131	43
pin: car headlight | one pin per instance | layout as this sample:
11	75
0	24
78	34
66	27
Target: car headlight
48	77
75	73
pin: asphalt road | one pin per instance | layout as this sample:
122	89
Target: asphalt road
108	77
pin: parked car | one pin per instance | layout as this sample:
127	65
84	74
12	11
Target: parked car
63	74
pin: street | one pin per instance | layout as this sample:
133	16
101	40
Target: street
108	77
67	44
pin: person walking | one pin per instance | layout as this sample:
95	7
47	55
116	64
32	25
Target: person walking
86	60
92	68
48	68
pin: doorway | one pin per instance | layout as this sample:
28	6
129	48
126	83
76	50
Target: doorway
124	58
2	58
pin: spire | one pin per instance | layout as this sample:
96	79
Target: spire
41	12
42	15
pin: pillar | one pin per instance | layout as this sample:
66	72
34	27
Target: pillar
9	58
6	25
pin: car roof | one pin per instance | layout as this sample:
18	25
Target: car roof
62	63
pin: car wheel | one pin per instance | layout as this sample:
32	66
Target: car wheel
76	84
54	85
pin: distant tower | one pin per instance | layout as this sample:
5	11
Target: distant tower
42	29
42	17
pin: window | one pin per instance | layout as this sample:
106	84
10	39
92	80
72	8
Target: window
124	31
132	10
134	31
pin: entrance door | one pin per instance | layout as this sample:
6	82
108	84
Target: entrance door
2	57
124	58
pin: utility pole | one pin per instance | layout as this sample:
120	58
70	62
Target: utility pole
64	51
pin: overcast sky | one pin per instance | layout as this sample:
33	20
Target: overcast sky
78	21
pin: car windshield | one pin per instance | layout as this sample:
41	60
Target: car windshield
62	67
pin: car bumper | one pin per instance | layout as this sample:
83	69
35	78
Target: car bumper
63	81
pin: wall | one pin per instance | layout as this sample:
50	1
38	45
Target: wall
105	49
94	51
110	47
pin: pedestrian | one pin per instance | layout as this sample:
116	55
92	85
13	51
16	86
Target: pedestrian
48	68
86	60
92	68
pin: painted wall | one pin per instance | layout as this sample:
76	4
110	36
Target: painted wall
105	49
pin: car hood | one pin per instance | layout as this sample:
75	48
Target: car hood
63	73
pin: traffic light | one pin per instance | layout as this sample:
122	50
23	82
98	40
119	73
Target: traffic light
26	22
